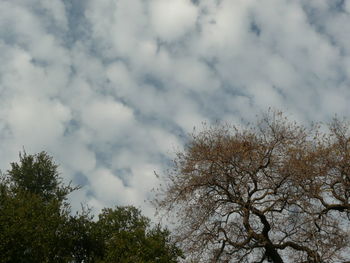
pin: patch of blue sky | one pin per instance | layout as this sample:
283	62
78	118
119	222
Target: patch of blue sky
255	28
80	179
124	174
71	127
77	22
337	5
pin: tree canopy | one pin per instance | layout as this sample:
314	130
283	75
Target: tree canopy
128	238
36	223
273	191
33	212
38	174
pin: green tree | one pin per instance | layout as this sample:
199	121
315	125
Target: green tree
31	230
85	242
33	213
36	225
128	238
38	174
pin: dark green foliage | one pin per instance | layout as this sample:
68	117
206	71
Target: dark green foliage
129	238
31	230
160	247
33	214
84	240
38	174
36	225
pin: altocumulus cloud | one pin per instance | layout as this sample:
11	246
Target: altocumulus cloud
111	87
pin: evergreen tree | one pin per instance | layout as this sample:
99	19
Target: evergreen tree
33	213
36	225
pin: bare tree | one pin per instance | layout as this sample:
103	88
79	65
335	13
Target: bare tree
272	192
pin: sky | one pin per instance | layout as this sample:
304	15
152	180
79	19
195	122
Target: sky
112	88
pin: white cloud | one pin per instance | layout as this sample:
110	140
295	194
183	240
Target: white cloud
125	23
56	10
109	189
347	6
121	78
172	19
193	74
34	122
111	97
107	119
75	155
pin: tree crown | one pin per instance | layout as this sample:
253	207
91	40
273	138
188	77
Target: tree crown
274	191
38	174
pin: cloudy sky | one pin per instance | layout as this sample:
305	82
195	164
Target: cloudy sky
110	88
